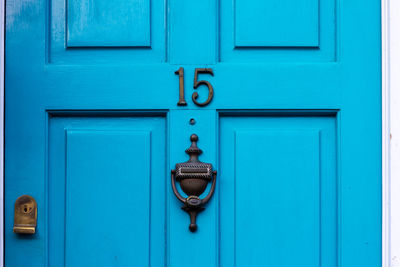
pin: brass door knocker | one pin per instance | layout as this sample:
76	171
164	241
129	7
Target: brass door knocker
193	177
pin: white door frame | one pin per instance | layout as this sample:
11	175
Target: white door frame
390	132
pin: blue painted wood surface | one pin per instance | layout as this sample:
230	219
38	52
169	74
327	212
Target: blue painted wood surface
265	23
104	23
106	182
93	130
288	220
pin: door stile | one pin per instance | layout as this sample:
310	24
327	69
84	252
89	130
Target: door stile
199	249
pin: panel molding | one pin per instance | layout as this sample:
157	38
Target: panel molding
107	128
315	45
125	50
305	122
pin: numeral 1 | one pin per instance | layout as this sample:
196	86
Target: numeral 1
182	101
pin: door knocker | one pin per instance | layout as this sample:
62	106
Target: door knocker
193	177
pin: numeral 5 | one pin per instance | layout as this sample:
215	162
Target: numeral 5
207	83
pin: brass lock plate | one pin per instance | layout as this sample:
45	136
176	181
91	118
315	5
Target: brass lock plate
25	215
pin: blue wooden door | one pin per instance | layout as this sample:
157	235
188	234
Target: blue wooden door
93	129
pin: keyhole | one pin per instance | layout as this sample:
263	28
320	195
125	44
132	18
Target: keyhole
27	209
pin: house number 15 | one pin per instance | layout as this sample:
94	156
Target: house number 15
195	95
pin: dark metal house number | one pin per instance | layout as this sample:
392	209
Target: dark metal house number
196	84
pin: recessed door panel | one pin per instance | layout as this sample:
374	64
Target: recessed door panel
99	31
261	31
104	23
105	189
277	23
279	197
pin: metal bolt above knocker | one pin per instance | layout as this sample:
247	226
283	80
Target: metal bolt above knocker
193	177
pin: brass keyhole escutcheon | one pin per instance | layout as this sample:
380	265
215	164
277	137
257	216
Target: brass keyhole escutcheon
25	215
